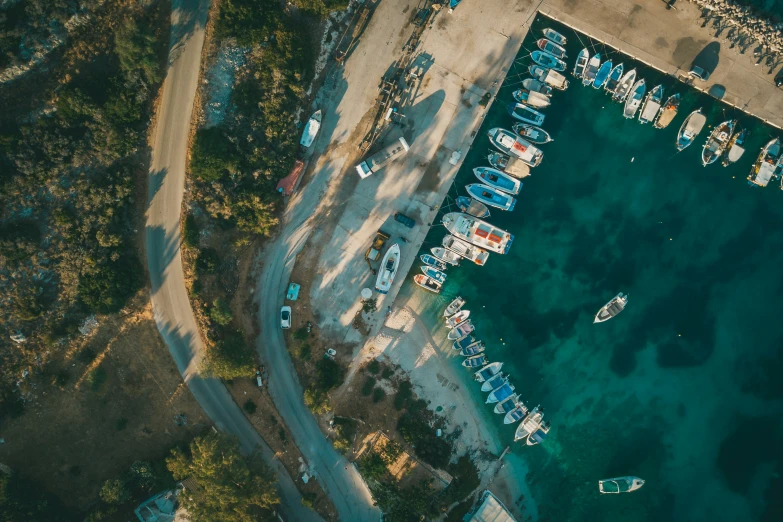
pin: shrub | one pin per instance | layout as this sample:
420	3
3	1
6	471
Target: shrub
213	155
368	386
207	261
308	499
330	374
304	352
96	378
374	367
403	395
378	394
190	231
388	373
316	401
220	313
250	406
62	378
115	491
301	334
230	358
122	423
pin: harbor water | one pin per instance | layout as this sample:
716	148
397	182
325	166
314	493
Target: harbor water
685	387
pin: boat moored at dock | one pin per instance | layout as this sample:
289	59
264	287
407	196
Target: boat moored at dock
717	142
634	99
690	128
620	485
614	78
602	75
470	206
445	255
549	61
507	404
531	84
591	70
668	112
434	273
767	166
509	143
474	349
735	148
581	63
494	383
475	360
457	319
550	47
499	180
531	133
652	105
508	164
478	232
389	266
427	283
533	429
525	114
500	394
463	343
548	76
553	35
464	249
516	414
488	371
491	196
432	261
461	331
612	308
531	98
624	87
454	306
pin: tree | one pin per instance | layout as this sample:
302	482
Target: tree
220	313
232	487
135	45
115	491
230	358
23	499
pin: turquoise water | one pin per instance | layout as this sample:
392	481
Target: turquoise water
685	387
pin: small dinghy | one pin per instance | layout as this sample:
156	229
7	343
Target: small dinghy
553	35
525	114
507	404
472	207
461	331
634	99
602	75
509	143
536	86
474	349
652	105
488	371
499	180
548	76
475	360
516	414
464	249
434	273
532	133
614	78
501	393
491	196
624	87
463	343
427	283
547	60
389	266
311	129
668	112
612	308
736	149
509	165
591	70
690	128
457	318
494	383
454	306
620	485
531	98
718	142
432	261
581	63
445	255
548	46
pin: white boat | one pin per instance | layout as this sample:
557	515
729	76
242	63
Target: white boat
532	429
488	371
547	60
668	112
516	414
603	74
620	485
457	318
509	143
549	77
475	360
311	129
461	331
465	249
470	206
507	404
766	168
494	383
652	104
614	78
531	133
445	255
690	128
478	232
433	273
526	114
718	142
581	62
624	87
491	196
500	394
612	308
591	70
512	166
548	46
531	98
736	149
499	180
389	266
454	306
427	283
433	261
553	35
473	349
534	85
634	99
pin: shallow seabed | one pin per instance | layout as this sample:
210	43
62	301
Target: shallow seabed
685	387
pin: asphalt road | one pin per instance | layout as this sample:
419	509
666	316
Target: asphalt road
170	302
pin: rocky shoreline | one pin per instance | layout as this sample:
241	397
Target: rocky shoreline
745	24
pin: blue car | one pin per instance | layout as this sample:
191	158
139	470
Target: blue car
405	220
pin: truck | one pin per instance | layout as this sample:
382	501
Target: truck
374	252
380	159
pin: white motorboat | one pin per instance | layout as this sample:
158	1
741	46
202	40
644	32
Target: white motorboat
499	180
690	128
507	404
614	78
534	85
652	104
494	383
767	165
612	308
548	46
509	143
531	133
427	283
553	35
624	87
718	142
491	196
478	232
457	318
464	249
549	61
501	393
581	62
461	331
525	114
389	266
620	485
454	306
516	414
549	77
634	99
531	98
532	429
488	371
311	129
445	255
591	70
736	149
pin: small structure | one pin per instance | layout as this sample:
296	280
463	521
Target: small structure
293	292
287	185
489	509
160	508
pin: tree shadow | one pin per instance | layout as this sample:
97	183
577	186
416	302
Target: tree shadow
162	250
187	16
708	57
155	183
717	91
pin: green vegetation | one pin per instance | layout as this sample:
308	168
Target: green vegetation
329	374
309	499
95	378
388	373
250	406
190	231
403	396
301	334
115	491
230	357
415	426
344	431
367	387
378	395
374	367
305	351
23	499
220	313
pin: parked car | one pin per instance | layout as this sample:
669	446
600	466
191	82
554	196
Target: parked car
405	220
698	72
285	317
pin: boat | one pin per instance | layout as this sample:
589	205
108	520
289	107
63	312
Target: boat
539	435
531	133
526	114
624	87
491	196
592	69
454	306
550	47
652	104
494	383
463	343
427	283
634	99
612	308
690	128
473	349
516	414
717	142
735	147
432	261
531	424
507	404
445	255
603	74
478	232
581	62
614	78
548	76
668	112
512	166
499	180
475	360
511	144
465	249
461	331
311	129
533	85
472	207
531	98
767	164
389	264
500	394
488	371
620	485
553	35
434	273
547	60
457	318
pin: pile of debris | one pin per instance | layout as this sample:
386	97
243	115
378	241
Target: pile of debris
747	18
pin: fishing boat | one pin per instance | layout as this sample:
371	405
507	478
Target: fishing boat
539	435
491	196
311	129
445	255
581	62
457	318
735	148
434	273
718	142
553	35
454	306
652	104
531	98
531	133
472	207
463	343
461	331
474	349
690	128
478	232
603	74
475	360
668	112
488	371
634	99
548	76
432	261
614	78
612	308
466	250
620	485
501	393
512	166
427	283
624	87
494	383
591	70
767	164
389	264
507	404
548	46
530	424
516	414
526	114
499	180
534	85
509	143
547	60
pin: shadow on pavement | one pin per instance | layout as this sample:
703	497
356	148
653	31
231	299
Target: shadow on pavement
162	248
708	58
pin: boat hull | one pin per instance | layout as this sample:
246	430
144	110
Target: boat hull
488	371
491	196
388	269
498	180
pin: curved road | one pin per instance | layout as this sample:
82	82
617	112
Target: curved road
170	302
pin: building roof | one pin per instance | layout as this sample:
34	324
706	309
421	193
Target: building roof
490	509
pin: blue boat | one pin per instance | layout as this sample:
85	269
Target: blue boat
506	405
516	414
501	394
491	196
497	179
474	349
463	343
432	261
434	273
472	207
488	371
602	75
494	383
475	360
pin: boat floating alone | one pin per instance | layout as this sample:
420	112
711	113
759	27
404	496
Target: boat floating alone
620	485
612	308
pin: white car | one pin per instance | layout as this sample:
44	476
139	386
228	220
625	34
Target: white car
285	317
